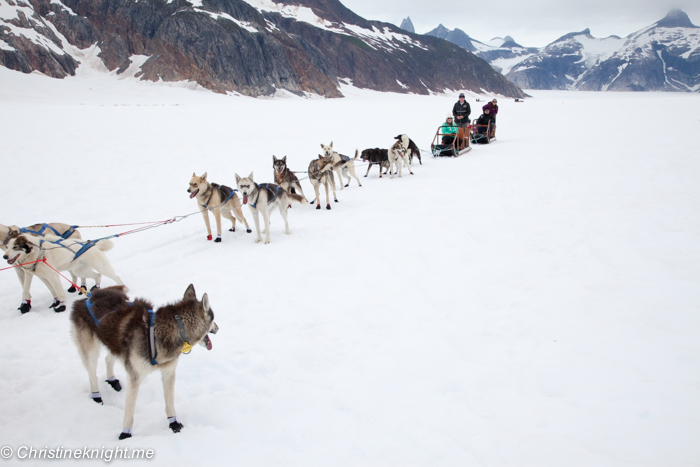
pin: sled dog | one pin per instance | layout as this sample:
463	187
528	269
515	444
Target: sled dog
410	146
219	199
398	156
321	173
56	228
285	177
263	198
142	340
378	157
343	165
83	258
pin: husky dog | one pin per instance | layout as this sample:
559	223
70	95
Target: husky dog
50	254
142	340
398	156
219	199
263	198
321	173
285	177
57	228
343	165
410	146
378	157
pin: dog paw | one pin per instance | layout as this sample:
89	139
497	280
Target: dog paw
218	240
258	240
24	307
232	229
98	400
115	384
124	435
55	303
312	202
175	426
347	185
209	238
72	289
365	176
96	286
318	206
61	308
328	206
248	230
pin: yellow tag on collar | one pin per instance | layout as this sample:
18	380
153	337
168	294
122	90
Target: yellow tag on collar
186	348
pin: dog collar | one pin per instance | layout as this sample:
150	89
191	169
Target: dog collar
186	346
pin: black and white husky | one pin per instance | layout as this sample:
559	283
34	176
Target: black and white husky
263	198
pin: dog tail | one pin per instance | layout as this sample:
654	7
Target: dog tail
357	154
298	198
105	245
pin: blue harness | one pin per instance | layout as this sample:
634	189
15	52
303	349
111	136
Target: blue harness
43	228
85	247
221	188
267	186
151	327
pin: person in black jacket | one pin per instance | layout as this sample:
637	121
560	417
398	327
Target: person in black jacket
485	123
461	111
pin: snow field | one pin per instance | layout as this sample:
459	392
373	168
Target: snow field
532	303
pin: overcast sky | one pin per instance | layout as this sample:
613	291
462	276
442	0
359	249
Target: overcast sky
533	23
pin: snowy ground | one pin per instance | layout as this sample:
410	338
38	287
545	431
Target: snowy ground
532	303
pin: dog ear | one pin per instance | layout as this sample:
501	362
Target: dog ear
274	159
189	293
205	303
24	244
284	159
194	174
238	178
251	177
204	177
321	145
331	144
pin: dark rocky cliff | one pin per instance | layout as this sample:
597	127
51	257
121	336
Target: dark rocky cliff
228	45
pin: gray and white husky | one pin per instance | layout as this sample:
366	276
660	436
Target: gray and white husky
285	177
143	338
57	228
321	173
43	256
262	198
343	165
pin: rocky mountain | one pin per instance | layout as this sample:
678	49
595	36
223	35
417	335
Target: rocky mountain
662	57
253	47
407	25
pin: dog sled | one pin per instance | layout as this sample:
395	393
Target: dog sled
481	134
451	144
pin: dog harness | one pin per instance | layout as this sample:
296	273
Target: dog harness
152	337
41	231
223	189
43	228
88	305
267	186
85	246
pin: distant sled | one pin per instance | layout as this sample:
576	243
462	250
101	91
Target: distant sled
451	144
